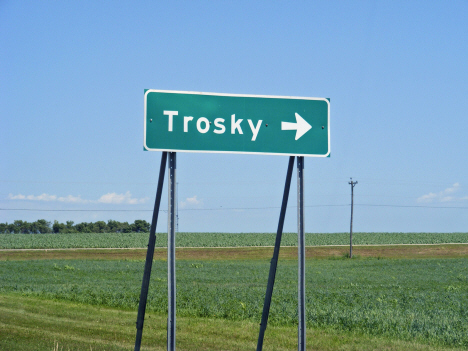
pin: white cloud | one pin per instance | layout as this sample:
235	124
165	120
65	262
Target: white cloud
109	198
191	202
47	197
114	198
427	198
42	197
443	196
73	199
16	197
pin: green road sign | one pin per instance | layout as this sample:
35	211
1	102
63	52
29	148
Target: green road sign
228	123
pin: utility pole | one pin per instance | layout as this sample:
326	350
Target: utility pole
353	184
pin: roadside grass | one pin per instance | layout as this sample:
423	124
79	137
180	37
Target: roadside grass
396	297
421	300
242	253
28	323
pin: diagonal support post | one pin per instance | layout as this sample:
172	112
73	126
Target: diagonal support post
149	255
274	260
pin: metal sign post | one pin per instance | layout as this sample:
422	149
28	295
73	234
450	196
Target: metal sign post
301	255
171	281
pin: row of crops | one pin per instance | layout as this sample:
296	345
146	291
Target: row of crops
140	240
419	299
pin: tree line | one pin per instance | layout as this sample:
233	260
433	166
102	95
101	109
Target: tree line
42	226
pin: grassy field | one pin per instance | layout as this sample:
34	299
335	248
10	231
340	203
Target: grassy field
140	240
422	301
411	297
33	324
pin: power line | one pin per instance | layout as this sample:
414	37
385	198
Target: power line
231	208
185	209
61	210
242	181
409	206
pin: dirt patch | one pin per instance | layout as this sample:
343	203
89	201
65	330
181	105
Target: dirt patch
317	252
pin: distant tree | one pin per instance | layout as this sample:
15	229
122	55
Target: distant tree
126	228
33	229
39	227
58	227
84	227
119	227
21	227
100	227
140	225
43	226
114	226
69	228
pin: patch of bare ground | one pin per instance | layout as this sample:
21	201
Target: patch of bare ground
317	252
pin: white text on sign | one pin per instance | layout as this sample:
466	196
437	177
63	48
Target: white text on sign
203	125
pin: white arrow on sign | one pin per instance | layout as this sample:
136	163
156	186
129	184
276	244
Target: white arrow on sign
301	126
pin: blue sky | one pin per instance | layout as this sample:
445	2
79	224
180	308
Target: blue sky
72	80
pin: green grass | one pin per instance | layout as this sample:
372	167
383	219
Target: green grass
421	300
34	324
140	240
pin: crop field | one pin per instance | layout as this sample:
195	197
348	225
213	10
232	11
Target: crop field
417	300
140	240
412	297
